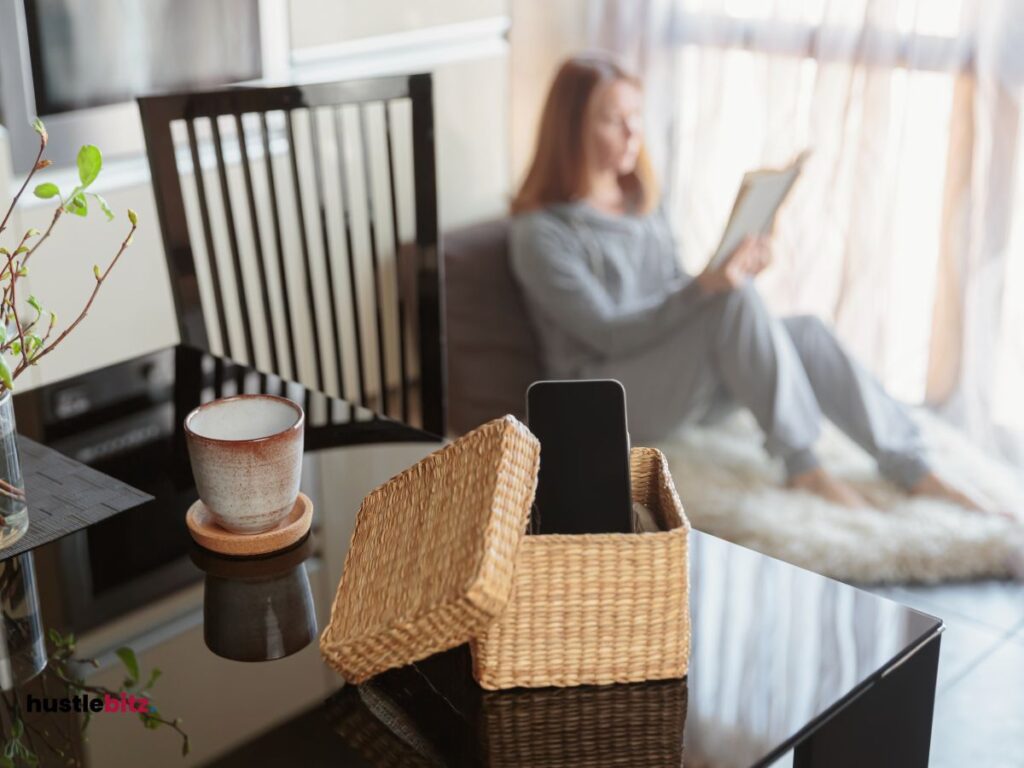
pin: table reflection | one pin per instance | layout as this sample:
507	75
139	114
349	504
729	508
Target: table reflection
22	645
637	725
433	713
776	651
257	608
774	647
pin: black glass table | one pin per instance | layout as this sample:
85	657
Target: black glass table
782	659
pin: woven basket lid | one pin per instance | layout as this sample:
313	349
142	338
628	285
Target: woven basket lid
431	560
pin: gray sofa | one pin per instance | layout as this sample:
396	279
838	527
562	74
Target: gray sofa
492	349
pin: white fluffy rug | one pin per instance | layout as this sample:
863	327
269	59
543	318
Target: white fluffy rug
730	488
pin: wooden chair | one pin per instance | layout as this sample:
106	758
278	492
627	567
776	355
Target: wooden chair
294	248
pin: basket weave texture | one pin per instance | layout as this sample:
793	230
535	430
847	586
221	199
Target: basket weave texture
439	558
639	725
432	556
377	742
597	608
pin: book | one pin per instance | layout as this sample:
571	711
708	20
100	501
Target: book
753	212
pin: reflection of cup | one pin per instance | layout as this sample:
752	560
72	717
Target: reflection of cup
257	609
246	455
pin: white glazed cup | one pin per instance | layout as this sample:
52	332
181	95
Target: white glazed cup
246	456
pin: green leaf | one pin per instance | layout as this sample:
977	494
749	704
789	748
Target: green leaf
103	206
55	637
5	374
78	205
21	249
46	191
127	657
153	677
90	160
34	303
16	347
3	334
133	217
96	271
38	127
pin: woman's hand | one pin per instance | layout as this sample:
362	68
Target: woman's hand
749	259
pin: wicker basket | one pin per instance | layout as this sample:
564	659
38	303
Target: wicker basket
438	558
431	559
600	608
381	739
639	725
406	718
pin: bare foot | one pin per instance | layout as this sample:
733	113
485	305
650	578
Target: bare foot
935	487
821	483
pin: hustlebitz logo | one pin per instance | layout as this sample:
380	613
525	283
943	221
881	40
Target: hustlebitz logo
86	703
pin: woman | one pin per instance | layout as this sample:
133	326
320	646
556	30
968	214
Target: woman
594	255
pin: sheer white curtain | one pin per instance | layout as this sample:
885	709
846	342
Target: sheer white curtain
906	230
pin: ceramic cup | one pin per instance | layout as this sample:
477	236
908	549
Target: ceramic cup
246	455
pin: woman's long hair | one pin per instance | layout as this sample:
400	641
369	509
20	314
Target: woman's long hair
558	171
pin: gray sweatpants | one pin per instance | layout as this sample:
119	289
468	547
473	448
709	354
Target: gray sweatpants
788	371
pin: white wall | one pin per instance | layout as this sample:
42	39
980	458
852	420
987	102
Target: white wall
543	34
326	22
134	312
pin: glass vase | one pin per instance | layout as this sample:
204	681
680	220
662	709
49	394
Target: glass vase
13	507
22	646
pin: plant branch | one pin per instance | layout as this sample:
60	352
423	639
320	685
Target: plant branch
100	278
35	167
63	734
14	309
28	328
15	714
53	222
49	329
99	690
11	272
6	489
30	729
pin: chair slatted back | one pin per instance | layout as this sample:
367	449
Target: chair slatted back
301	236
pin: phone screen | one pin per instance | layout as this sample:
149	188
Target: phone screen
583	485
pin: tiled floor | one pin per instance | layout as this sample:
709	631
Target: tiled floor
979	709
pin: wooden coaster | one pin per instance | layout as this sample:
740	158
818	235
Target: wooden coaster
211	536
266	566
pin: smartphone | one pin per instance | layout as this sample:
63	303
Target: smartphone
583	485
